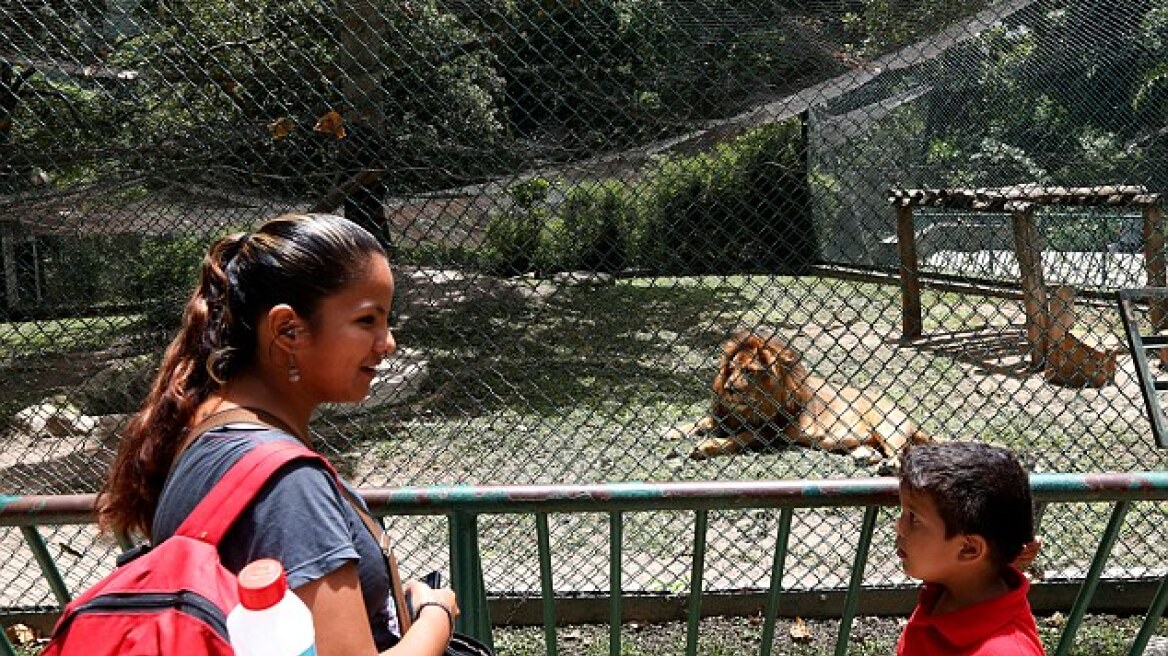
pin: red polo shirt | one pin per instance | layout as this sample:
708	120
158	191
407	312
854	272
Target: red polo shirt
1002	626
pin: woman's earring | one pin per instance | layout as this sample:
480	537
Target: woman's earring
293	370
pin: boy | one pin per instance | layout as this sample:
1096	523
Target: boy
966	515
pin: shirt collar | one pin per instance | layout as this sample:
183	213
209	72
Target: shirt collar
969	626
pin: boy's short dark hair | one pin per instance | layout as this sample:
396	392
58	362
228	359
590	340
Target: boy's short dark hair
978	490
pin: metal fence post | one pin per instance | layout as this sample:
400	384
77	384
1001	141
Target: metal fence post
697	572
466	564
616	530
777	567
1106	542
6	648
543	535
48	566
857	581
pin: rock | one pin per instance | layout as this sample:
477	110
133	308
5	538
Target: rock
58	417
583	278
118	388
53	417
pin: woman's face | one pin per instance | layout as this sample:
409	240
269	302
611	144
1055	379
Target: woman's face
348	338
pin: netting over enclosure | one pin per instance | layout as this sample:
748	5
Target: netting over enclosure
583	201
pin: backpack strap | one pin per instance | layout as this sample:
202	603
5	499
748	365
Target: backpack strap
237	415
231	495
215	514
226	501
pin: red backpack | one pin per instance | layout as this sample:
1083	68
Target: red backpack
175	597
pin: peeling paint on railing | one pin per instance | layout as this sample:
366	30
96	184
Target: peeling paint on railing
445	499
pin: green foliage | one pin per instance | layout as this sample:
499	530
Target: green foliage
84	271
879	26
743	206
165	270
592	230
87	272
514	234
1021	119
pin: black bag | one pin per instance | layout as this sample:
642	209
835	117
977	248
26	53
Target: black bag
464	645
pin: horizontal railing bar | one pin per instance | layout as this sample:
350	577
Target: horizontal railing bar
47	509
724	495
611	497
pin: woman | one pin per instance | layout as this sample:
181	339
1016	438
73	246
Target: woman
282	320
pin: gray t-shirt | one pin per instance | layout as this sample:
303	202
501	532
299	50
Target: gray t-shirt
299	518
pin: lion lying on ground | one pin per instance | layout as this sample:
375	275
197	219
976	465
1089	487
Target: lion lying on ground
763	396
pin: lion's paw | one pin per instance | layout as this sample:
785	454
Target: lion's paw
698	454
866	455
889	467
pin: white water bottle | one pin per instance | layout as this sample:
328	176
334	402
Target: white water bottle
270	620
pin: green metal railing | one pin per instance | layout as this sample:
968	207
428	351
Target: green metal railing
464	504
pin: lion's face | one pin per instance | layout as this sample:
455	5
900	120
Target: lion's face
757	378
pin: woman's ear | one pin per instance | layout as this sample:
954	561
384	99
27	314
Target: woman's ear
283	326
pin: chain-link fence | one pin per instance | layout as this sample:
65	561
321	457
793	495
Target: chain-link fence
583	201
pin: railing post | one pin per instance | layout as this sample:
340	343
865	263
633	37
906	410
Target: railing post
778	565
40	551
6	648
543	536
1083	599
466	565
1155	612
615	536
697	573
123	540
853	597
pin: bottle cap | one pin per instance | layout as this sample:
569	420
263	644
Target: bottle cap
262	584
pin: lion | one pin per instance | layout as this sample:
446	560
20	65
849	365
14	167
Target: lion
764	395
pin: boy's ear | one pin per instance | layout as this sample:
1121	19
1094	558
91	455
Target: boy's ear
973	547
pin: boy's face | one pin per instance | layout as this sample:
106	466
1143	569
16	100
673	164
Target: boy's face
924	551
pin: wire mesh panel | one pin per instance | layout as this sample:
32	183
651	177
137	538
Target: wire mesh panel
583	201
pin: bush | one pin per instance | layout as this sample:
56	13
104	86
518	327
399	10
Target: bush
513	235
591	232
744	206
165	270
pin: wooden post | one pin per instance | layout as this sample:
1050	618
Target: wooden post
8	258
1062	314
910	284
1154	262
1028	249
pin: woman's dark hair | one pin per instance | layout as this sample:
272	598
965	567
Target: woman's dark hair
979	489
297	259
